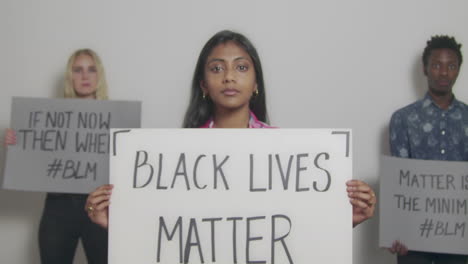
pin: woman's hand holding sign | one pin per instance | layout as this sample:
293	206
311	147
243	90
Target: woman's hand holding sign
10	137
363	200
97	205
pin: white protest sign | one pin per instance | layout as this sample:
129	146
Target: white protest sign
423	204
230	196
63	144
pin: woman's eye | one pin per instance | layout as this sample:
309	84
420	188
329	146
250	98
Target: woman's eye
216	69
242	68
92	69
76	70
436	66
452	67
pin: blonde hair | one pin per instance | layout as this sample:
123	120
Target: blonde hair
101	89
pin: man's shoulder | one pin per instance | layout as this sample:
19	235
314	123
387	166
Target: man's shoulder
406	110
462	104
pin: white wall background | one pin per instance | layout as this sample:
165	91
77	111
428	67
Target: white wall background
327	63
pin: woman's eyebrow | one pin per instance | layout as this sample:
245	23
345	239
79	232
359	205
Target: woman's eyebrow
241	58
223	60
215	59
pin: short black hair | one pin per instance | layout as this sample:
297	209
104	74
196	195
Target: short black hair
442	42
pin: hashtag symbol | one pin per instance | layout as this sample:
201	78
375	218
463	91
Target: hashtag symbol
426	227
54	168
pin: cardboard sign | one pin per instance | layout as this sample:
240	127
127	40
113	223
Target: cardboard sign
230	196
63	144
424	204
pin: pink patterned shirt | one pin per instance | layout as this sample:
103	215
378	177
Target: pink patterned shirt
253	123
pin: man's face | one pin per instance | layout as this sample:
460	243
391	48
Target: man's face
441	71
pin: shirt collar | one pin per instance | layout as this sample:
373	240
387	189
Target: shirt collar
427	100
253	122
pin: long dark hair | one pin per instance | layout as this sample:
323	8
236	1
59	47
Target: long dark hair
199	109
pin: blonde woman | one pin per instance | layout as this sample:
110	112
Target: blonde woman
63	220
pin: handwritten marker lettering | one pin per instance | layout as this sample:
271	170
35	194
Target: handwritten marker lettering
54	168
71	169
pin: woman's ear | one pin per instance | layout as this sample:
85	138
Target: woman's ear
203	87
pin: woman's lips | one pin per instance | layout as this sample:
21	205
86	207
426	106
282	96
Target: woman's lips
230	91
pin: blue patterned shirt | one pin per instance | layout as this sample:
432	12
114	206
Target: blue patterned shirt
422	130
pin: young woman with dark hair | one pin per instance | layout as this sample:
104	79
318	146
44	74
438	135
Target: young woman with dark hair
228	91
202	107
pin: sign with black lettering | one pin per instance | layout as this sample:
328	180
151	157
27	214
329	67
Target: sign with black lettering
63	144
424	204
230	196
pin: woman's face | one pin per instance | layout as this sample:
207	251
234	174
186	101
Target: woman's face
84	76
229	78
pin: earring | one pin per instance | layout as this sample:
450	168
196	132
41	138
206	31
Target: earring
204	96
256	93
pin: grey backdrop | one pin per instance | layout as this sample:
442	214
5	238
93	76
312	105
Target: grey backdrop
341	64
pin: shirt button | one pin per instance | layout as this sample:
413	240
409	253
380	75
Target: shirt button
443	132
442	151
